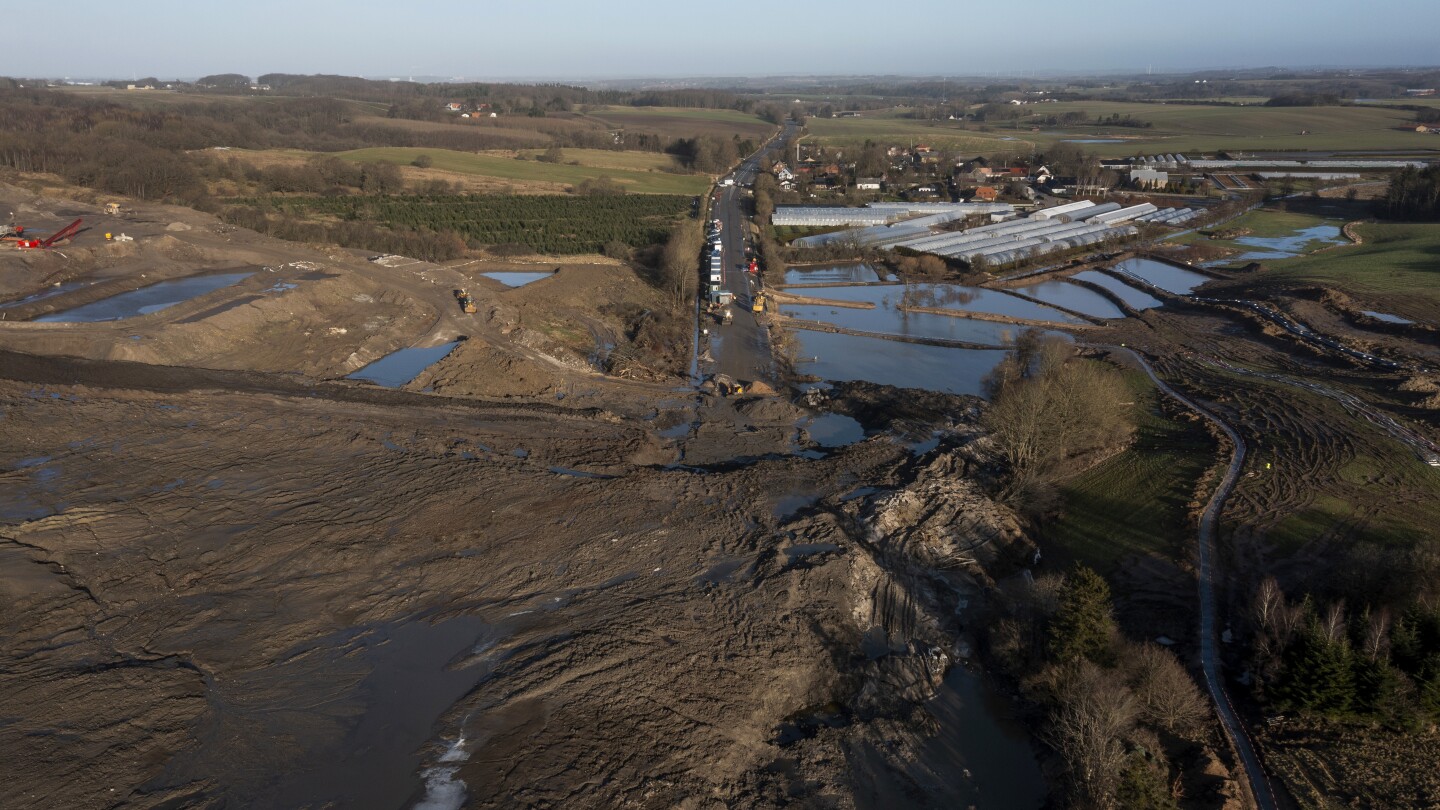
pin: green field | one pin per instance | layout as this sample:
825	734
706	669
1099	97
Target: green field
1195	128
684	122
650	181
1175	128
1135	502
1265	224
1399	262
907	131
611	159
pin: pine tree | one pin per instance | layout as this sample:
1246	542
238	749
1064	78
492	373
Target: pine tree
1317	673
1084	623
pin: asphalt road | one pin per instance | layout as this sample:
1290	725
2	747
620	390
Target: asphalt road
741	348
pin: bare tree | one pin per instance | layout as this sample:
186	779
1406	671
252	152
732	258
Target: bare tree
1088	728
1376	644
1168	696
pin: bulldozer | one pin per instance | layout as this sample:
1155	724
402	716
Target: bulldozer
467	304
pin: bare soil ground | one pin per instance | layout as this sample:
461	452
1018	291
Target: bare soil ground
233	578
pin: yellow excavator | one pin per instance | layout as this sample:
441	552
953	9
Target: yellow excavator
467	304
757	302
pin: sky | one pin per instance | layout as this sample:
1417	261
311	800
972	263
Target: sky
579	39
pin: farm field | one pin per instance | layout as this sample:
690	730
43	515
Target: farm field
1176	127
635	180
1189	127
683	122
552	224
1267	224
1135	502
937	134
1396	262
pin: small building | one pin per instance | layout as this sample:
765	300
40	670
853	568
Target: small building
867	184
455	107
987	194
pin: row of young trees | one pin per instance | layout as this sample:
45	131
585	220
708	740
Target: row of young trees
557	224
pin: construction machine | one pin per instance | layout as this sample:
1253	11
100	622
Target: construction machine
62	235
757	302
467	303
112	209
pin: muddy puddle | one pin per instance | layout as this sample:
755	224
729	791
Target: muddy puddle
1134	297
146	300
1306	240
516	279
1164	276
58	289
1386	317
845	358
833	430
399	368
833	274
368	702
981	757
943	296
1072	297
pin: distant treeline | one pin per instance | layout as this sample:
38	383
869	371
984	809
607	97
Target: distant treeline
142	152
1414	195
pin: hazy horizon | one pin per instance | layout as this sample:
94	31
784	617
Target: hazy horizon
571	40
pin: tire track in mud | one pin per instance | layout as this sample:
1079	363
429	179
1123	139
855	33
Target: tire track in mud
1240	740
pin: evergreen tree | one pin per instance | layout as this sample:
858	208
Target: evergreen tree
1084	623
1142	787
1317	673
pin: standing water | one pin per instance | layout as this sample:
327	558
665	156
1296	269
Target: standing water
1134	297
399	368
943	296
832	274
516	279
890	362
1164	276
146	300
1072	297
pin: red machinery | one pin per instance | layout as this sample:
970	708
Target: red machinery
59	236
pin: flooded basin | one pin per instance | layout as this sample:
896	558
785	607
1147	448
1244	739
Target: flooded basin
833	274
944	296
1134	297
890	362
1306	240
1166	277
1072	296
889	321
517	279
146	300
399	368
